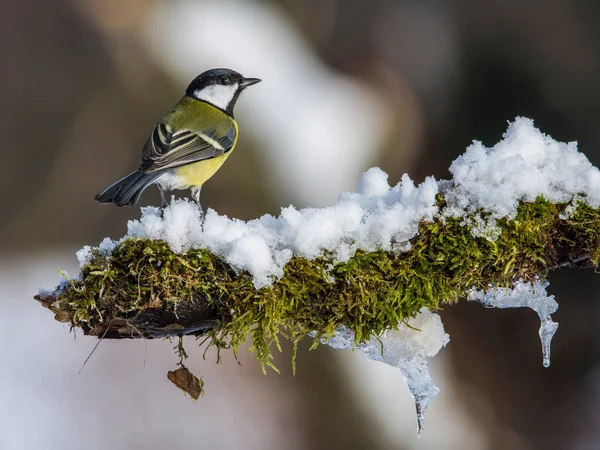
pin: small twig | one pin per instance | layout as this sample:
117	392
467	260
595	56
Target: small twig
570	262
94	349
133	328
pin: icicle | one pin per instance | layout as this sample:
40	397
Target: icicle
407	349
547	330
525	295
420	385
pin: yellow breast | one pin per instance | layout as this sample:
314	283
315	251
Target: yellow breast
196	174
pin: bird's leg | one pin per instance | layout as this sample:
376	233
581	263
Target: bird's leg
163	200
195	190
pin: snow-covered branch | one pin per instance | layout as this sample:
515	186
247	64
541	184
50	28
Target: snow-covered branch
357	272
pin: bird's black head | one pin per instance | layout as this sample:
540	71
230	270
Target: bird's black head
219	87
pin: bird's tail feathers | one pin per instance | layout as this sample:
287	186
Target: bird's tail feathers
127	190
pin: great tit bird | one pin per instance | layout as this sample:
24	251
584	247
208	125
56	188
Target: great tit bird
190	143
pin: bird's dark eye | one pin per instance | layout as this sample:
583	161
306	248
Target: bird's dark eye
224	80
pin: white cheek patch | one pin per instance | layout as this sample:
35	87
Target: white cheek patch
217	94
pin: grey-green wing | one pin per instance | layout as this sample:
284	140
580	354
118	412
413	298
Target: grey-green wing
166	149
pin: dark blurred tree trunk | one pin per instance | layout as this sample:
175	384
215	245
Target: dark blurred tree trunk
50	66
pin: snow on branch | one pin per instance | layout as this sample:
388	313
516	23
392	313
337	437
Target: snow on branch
365	273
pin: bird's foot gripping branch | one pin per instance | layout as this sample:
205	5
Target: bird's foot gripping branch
367	273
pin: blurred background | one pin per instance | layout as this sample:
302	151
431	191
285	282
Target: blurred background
405	85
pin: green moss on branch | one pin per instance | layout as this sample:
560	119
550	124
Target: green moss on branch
144	289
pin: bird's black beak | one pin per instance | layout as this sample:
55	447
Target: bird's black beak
249	82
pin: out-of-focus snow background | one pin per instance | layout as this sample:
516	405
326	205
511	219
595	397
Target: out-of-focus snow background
346	85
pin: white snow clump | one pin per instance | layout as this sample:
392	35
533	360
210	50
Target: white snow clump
376	217
522	166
